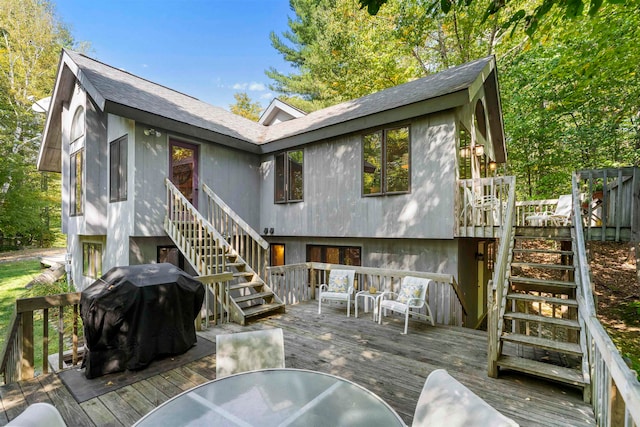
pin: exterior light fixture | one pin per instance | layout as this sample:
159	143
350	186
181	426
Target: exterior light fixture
271	230
493	166
265	231
152	132
465	152
478	150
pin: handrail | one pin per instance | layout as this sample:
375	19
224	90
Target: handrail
18	359
241	236
615	390
234	217
497	286
297	282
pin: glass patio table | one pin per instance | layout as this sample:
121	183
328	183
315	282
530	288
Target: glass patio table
275	397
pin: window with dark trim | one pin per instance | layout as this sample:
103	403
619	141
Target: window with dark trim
171	255
344	255
118	169
76	191
385	162
289	176
92	259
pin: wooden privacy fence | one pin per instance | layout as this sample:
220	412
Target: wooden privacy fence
18	353
610	203
298	282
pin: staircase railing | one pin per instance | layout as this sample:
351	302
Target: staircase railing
297	282
498	286
203	246
615	390
243	239
17	360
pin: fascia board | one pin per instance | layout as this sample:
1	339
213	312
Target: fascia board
177	127
418	109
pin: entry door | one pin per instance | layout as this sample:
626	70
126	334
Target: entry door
183	165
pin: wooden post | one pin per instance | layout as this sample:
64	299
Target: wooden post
45	341
616	406
312	279
27	361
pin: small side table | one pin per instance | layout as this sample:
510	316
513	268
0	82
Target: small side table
375	298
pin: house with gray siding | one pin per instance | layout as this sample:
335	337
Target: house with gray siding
389	180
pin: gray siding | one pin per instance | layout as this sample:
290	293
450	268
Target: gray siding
333	203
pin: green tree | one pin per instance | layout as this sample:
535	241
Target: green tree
572	102
340	52
245	107
30	43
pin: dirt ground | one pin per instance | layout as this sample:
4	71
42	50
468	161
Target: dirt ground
31	253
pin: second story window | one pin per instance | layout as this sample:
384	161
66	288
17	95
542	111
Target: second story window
386	166
289	186
118	169
76	191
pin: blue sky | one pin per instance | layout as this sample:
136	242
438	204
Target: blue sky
209	49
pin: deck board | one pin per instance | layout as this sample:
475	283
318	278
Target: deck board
378	357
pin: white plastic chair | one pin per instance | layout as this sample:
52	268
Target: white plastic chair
411	296
482	205
37	415
339	288
249	351
446	402
561	216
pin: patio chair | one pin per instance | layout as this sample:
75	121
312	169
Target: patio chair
339	288
561	216
39	414
249	351
411	297
446	402
482	205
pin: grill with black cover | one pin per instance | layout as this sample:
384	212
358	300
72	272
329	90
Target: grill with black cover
134	314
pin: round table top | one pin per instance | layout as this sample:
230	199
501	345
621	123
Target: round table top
275	397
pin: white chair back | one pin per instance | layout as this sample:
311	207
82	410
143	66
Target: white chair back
249	351
446	402
37	415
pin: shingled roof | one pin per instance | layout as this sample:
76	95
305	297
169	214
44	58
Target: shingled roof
119	92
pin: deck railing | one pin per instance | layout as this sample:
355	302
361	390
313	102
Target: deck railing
615	390
610	203
481	205
295	283
533	207
247	242
18	354
498	285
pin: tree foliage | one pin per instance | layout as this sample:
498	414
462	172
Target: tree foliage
30	43
245	107
569	96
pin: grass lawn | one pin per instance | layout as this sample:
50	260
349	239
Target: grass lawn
14	276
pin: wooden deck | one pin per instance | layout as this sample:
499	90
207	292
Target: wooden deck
378	357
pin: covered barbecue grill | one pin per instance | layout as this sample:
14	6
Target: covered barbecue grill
133	314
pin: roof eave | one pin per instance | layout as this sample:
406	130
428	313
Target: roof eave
398	114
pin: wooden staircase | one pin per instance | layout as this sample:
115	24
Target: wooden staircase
542	333
209	252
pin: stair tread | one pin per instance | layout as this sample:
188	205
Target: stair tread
245	285
545	343
541	369
538	265
568	323
243	274
543	251
256	310
543	282
256	295
539	298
